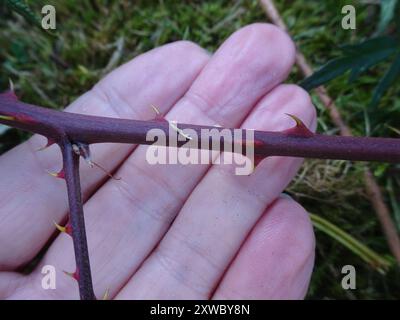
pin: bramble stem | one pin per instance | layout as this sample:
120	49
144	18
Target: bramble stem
66	128
91	129
77	221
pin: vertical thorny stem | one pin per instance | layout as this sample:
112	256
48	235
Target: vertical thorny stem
77	221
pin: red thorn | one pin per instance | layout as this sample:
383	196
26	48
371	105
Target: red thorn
8	118
19	118
48	144
66	229
74	275
60	174
159	116
257	160
25	119
11	96
299	130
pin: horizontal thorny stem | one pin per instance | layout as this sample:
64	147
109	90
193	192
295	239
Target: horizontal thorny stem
295	142
75	132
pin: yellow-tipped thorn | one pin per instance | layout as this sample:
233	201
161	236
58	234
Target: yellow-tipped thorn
300	129
180	131
73	275
106	294
60	228
9	118
57	174
69	274
53	174
295	118
155	109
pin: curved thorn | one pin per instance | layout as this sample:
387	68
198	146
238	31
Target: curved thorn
65	229
300	129
73	275
60	174
179	131
9	118
158	113
159	116
60	228
295	118
48	144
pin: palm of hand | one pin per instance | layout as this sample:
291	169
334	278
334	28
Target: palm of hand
171	231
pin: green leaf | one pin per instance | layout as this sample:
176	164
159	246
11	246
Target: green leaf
369	45
378	262
387	13
386	81
24	10
356	58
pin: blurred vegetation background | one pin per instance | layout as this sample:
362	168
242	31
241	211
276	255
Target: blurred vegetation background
95	36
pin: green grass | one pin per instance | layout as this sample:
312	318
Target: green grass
54	70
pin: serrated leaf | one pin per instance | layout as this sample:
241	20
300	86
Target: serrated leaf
386	81
357	58
21	7
387	13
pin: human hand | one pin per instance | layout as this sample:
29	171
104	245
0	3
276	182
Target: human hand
170	231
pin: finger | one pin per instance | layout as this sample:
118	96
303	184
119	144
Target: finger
126	220
30	200
221	211
277	258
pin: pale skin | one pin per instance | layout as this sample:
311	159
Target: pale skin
170	231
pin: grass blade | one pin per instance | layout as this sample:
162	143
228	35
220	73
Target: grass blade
376	261
386	81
